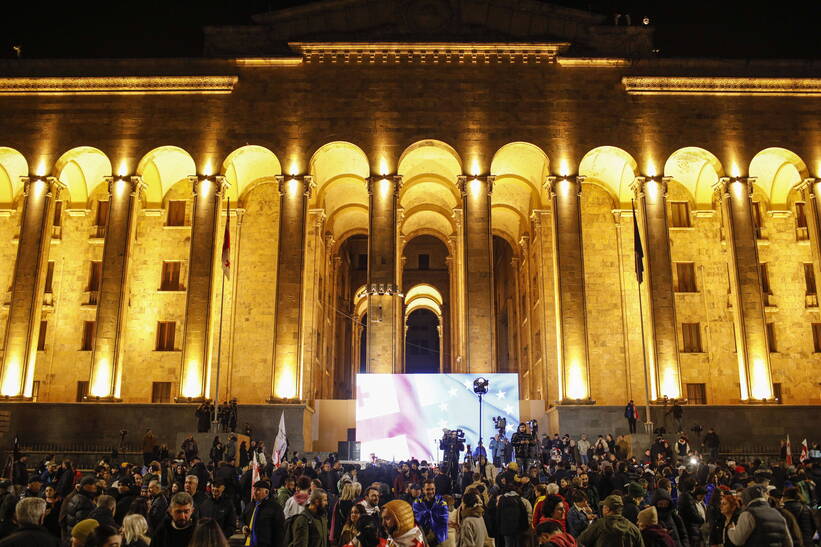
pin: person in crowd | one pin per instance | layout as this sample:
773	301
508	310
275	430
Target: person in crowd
522	440
296	503
104	536
511	519
580	515
632	415
263	518
341	512
135	531
612	528
177	529
191	487
398	524
431	513
758	523
712	443
80	532
149	447
29	514
550	534
347	531
371	501
220	508
208	533
688	509
157	505
802	513
104	512
668	516
652	534
287	490
310	528
472	531
554	508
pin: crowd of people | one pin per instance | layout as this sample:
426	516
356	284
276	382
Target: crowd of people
569	491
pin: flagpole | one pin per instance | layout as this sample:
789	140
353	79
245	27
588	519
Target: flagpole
219	338
648	419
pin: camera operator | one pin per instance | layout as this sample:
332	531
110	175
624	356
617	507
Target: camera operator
452	444
522	442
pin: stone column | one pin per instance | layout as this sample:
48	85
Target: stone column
112	305
812	192
745	281
28	284
294	192
661	334
478	248
570	302
202	273
384	302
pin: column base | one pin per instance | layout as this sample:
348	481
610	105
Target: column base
575	402
92	399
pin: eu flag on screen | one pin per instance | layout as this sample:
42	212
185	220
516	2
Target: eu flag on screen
638	250
399	416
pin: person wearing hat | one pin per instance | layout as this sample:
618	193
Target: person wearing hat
81	531
80	505
653	534
398	523
264	518
634	501
759	524
612	528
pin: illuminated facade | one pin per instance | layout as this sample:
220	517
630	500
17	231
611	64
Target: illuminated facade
488	185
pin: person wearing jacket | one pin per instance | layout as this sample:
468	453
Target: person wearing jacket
612	528
310	528
486	470
759	524
470	516
29	514
220	507
80	505
652	534
669	518
689	512
580	515
263	518
802	513
431	513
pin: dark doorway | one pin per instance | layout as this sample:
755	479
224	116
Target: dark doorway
422	342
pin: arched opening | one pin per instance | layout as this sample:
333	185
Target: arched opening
349	313
422	342
504	292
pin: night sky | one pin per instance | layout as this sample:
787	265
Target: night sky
152	28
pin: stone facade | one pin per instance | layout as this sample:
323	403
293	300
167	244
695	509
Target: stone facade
434	124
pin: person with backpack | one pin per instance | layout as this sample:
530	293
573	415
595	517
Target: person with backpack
511	522
802	513
264	519
310	527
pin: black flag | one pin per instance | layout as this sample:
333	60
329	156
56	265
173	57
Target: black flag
638	250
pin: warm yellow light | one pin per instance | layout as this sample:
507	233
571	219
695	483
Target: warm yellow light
576	386
286	384
651	169
734	170
564	167
292	187
475	187
191	385
120	186
293	168
652	188
474	167
207	169
669	383
11	378
41	170
383	167
760	381
122	169
384	187
564	186
102	379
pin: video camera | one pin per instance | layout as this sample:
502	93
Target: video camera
453	441
534	428
500	424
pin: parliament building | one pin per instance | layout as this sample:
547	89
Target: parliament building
411	185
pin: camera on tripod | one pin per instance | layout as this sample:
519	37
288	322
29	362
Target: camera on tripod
453	441
500	424
534	427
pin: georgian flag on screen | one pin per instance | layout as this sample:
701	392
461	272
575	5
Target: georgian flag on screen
226	244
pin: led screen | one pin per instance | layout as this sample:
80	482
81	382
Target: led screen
399	416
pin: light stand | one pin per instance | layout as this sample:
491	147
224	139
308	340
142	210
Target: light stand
480	388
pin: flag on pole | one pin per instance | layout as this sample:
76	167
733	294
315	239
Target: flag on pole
805	452
789	451
281	441
226	244
254	473
638	250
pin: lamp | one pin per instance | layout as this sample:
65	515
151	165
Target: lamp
480	388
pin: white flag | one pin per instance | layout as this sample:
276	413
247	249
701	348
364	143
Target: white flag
281	441
254	473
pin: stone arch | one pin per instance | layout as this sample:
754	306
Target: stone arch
248	166
162	168
777	171
523	161
13	167
698	171
81	170
611	168
430	157
340	170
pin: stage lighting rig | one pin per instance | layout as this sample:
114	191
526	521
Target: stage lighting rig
480	386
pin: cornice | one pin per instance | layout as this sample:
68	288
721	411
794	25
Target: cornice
119	85
675	85
428	52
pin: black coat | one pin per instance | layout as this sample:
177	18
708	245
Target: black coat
222	511
79	507
803	515
269	524
168	536
689	514
30	536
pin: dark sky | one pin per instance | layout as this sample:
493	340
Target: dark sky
153	28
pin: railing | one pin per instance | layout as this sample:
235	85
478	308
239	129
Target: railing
84	456
99	232
93	296
802	233
811	301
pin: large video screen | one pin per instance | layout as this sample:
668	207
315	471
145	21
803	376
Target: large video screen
400	416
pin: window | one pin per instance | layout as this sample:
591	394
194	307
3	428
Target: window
697	394
95	275
50	277
756	212
809	279
101	219
362	262
161	392
176	213
816	337
424	262
165	335
41	338
802	232
685	277
777	393
691	337
88	336
58	213
771	340
170	279
765	279
82	391
679	214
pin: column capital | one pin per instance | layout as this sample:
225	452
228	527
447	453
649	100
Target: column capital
53	185
395	179
808	184
306	180
619	214
638	186
219	180
463	181
723	183
552	182
134	182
